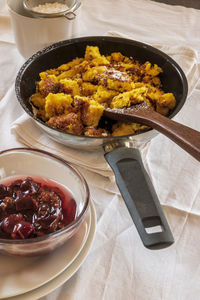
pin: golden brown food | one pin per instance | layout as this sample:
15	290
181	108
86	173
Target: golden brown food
73	96
69	123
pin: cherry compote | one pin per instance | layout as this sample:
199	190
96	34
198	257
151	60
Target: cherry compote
31	207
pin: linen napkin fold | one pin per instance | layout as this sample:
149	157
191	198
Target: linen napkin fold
29	134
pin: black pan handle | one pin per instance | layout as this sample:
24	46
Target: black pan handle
140	197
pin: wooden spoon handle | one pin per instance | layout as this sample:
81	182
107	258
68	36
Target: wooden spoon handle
186	137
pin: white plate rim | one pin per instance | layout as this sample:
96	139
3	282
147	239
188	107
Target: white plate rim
84	228
69	271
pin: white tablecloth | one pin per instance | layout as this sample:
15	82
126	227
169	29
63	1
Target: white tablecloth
118	266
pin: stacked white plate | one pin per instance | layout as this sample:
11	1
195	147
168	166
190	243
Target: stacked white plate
32	278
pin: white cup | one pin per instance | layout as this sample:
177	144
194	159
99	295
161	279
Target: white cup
32	34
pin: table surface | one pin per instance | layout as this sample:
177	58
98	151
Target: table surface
118	266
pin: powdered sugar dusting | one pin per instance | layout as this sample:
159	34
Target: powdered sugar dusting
49	8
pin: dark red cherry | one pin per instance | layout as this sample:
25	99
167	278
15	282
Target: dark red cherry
22	230
9	223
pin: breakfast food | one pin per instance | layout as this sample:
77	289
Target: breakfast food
73	96
33	207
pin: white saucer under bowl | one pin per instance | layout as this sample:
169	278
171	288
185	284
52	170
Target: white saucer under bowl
31	278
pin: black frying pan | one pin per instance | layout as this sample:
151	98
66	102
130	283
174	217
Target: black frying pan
122	153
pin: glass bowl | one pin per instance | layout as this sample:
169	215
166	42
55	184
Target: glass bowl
23	162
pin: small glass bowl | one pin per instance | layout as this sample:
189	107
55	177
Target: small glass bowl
37	163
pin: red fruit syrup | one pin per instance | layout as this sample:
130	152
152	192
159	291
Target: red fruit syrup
32	207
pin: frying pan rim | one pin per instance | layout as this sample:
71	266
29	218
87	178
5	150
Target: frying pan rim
67	42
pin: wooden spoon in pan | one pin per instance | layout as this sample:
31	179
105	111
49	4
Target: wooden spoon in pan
186	137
